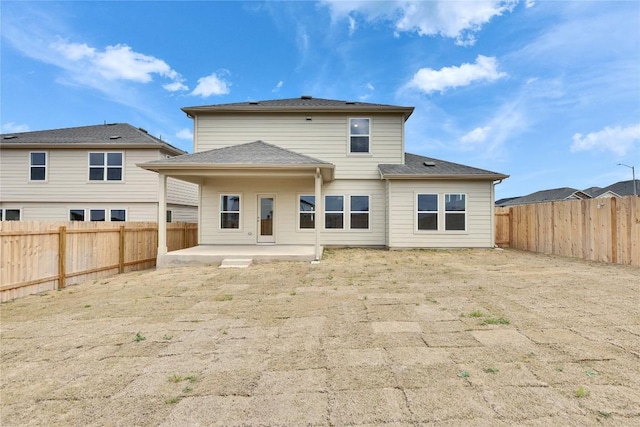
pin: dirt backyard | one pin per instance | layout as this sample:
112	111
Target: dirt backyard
367	337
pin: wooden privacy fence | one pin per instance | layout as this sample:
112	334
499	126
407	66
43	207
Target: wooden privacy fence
606	230
37	256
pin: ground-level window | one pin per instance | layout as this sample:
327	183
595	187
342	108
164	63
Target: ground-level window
230	211
10	214
38	166
359	210
76	215
97	215
427	212
169	216
455	212
105	166
334	212
118	215
307	212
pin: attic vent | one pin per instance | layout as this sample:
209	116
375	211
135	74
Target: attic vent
350	103
306	97
253	103
9	137
143	130
429	164
115	137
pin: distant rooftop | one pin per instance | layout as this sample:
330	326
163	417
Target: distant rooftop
105	134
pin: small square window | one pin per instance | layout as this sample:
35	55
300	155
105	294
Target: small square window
76	215
118	215
97	215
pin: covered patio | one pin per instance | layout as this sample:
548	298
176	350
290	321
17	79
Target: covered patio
216	254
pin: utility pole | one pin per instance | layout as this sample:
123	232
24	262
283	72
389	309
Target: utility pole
633	174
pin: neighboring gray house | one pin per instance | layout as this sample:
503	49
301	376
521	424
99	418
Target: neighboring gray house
619	189
89	173
553	195
326	173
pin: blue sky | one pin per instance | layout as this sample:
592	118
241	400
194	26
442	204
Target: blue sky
545	91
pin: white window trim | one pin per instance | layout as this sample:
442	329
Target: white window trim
368	196
416	212
240	210
370	151
298	212
4	213
105	167
444	216
46	166
343	211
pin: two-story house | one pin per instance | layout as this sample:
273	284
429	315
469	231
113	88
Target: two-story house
326	173
89	173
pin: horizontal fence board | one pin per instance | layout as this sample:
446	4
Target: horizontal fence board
38	256
604	230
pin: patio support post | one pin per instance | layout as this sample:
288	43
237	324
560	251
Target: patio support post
319	211
162	215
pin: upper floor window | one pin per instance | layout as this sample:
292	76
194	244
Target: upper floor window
307	212
38	166
105	166
359	135
455	212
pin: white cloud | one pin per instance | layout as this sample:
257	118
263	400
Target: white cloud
477	135
454	19
185	134
278	87
617	139
429	80
530	3
211	85
117	62
11	127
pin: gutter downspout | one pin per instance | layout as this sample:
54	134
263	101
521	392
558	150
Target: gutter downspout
493	212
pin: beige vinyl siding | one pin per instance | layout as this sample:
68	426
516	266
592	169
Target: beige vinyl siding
403	232
183	213
324	137
59	211
68	178
181	192
375	235
286	192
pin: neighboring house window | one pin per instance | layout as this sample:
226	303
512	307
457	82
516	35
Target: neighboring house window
334	212
427	212
97	215
359	135
118	215
359	207
307	212
455	212
10	214
230	211
169	216
105	166
38	166
76	214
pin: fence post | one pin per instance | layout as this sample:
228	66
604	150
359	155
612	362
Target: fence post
614	231
511	228
62	256
185	237
121	251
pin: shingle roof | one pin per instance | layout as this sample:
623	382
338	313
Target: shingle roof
253	154
106	134
551	195
621	188
302	104
416	166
